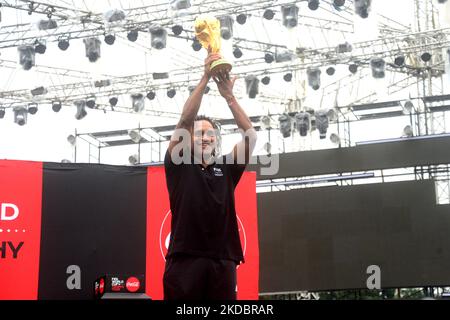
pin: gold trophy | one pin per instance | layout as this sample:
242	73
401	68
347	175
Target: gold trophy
207	31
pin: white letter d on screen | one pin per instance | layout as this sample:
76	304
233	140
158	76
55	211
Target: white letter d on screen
4	216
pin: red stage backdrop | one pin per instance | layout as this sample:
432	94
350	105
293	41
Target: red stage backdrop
158	232
62	226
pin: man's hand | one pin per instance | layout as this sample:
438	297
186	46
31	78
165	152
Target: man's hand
210	59
225	84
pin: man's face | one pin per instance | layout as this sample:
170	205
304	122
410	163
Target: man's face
204	137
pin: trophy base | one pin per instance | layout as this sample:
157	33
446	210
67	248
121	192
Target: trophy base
219	65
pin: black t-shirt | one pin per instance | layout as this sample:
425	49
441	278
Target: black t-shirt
204	219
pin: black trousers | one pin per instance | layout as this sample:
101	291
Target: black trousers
199	278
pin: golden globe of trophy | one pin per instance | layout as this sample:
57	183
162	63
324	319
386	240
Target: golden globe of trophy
207	32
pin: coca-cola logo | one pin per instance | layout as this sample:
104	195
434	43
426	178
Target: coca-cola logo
101	286
133	284
164	234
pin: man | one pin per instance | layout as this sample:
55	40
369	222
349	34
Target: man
204	247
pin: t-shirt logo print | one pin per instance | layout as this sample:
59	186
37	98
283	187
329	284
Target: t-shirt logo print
218	172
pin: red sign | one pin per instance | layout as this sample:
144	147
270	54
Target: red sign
158	234
20	229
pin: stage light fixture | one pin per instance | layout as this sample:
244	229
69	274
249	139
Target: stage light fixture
265	80
265	122
177	29
330	71
426	57
171	93
32	108
151	95
313	77
26	56
287	77
338	3
134	135
90	102
283	55
378	67
303	123
399	61
92	47
47	24
39	91
289	13
313	4
20	115
335	139
252	86
40	46
268	14
110	39
114	15
237	53
63	44
268	57
407	106
196	45
241	18
344	47
408	131
138	102
207	89
285	125
133	159
226	27
81	109
180	4
2	112
362	8
353	68
132	35
71	139
322	122
113	101
56	106
158	37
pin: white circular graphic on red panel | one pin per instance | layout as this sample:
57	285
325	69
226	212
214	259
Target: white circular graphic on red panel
164	235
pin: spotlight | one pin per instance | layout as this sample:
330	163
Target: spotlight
442	1
313	77
26	56
32	108
265	122
90	102
114	15
63	44
237	53
290	15
171	93
241	18
133	159
151	95
71	139
226	27
38	91
265	80
303	123
353	68
287	77
313	4
196	45
268	57
378	66
338	3
191	89
113	101
132	35
158	37
251	85
180	4
268	14
408	132
134	135
283	55
47	24
110	39
335	139
344	47
81	111
399	61
138	102
407	106
322	122
177	29
56	106
20	115
207	89
425	57
2	112
330	71
40	47
285	125
362	8
92	46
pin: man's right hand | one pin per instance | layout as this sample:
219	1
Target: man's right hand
210	59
